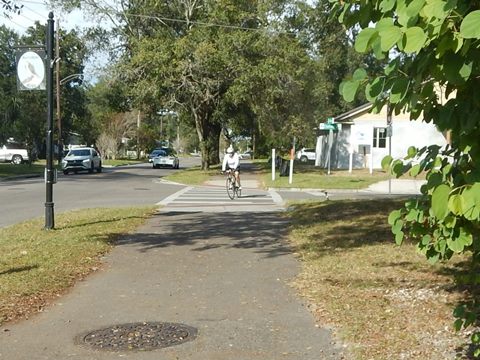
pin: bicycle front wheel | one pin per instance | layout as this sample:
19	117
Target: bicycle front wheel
230	188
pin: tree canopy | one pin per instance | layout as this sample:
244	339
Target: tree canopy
266	70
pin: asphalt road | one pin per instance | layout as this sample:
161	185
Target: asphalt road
132	185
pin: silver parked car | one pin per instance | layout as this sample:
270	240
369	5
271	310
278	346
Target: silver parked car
85	158
166	157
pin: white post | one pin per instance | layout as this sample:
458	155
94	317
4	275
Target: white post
350	161
292	156
318	151
290	175
273	164
371	159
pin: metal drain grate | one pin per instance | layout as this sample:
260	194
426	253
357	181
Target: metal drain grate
142	336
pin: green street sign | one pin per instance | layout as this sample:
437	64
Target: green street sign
327	126
330	120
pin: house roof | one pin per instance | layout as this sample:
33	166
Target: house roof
360	110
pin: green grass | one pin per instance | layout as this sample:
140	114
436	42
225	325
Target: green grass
120	162
38	167
193	176
36	265
306	176
8	169
384	301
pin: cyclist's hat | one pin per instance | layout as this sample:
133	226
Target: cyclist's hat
230	149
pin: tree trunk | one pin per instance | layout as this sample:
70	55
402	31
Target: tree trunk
209	136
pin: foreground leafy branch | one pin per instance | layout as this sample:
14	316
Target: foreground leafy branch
431	47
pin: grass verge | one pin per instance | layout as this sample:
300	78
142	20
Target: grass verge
309	176
385	301
38	265
8	169
194	175
120	162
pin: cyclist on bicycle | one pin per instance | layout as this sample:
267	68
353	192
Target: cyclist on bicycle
231	161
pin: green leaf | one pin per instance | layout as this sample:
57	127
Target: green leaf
434	179
415	170
362	42
397	226
426	239
457	325
394	216
375	88
399	237
414	7
397	168
377	47
349	89
466	70
459	243
450	221
386	161
359	74
411	152
412	215
389	37
470	28
392	66
387	5
440	201
470	210
415	39
456	204
435	9
399	90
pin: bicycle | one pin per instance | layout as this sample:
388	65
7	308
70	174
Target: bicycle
231	185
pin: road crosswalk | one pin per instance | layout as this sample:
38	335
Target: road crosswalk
215	199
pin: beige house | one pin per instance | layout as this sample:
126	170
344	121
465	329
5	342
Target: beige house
363	139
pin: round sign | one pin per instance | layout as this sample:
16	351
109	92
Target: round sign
31	70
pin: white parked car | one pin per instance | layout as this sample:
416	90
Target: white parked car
13	153
84	158
305	155
246	155
166	157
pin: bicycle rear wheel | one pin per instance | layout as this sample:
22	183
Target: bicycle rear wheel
238	191
230	188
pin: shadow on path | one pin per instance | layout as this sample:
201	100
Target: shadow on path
260	231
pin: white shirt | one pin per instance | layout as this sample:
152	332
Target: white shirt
232	161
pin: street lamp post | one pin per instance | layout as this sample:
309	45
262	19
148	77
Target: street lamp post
59	119
164	112
49	171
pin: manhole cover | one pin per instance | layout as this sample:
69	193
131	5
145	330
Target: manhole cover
142	336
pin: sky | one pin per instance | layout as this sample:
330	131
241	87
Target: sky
38	10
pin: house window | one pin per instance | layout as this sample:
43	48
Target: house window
379	137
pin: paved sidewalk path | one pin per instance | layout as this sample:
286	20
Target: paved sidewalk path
226	274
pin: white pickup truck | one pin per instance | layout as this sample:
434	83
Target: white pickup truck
12	153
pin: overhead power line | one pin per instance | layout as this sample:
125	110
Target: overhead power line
201	23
